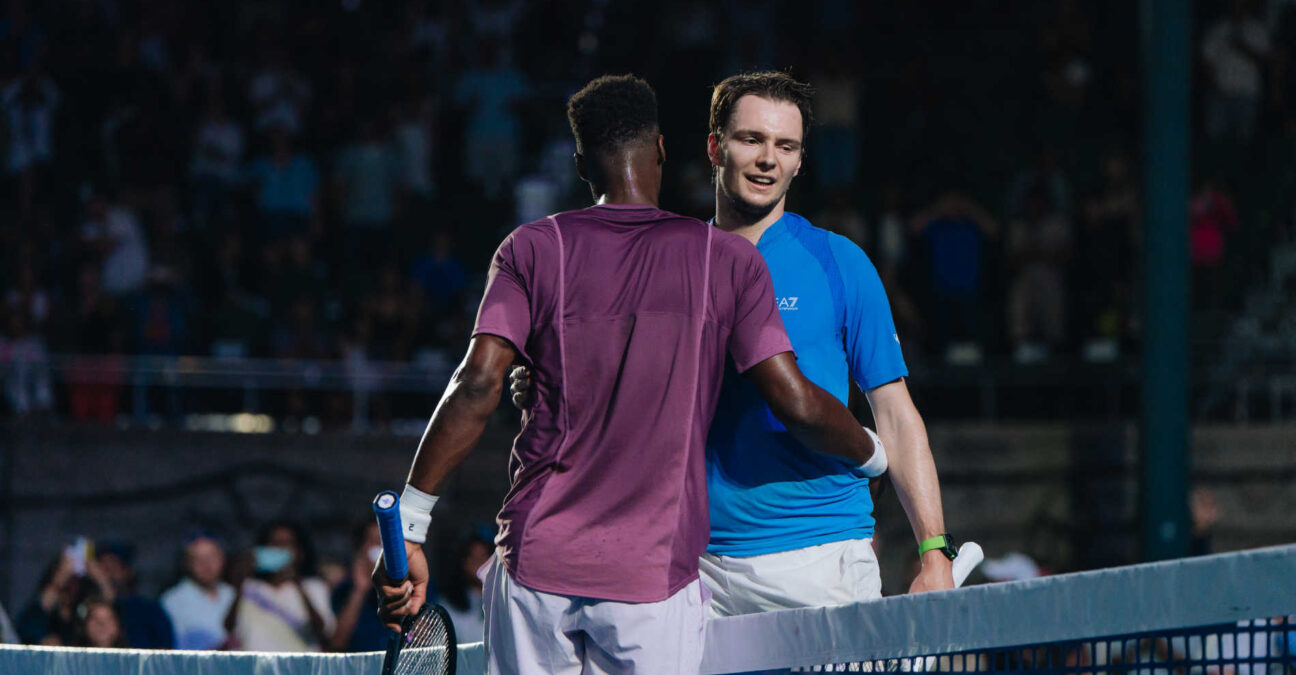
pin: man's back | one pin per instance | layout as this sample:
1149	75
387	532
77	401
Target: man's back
625	313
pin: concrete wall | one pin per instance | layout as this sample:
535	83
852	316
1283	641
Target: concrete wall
1063	494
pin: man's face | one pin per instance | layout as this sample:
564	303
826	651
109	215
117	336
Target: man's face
758	154
206	561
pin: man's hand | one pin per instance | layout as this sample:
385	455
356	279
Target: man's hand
397	601
520	387
936	574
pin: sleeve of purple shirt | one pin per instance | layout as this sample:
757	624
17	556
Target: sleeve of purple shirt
506	307
758	332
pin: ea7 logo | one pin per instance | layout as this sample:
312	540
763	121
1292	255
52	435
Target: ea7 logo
788	303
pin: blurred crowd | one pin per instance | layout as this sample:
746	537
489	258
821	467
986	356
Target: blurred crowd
275	596
271	179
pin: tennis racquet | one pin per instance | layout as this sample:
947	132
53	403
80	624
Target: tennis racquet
426	643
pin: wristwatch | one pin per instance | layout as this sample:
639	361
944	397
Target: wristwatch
942	542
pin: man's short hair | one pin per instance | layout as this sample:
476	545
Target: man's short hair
611	112
771	84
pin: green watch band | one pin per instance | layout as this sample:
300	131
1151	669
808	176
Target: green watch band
941	542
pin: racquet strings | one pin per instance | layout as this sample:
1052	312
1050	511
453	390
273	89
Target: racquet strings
427	646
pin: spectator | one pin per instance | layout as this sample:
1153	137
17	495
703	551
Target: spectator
835	162
891	256
489	91
283	606
1105	255
300	273
354	600
29	104
50	617
198	604
414	136
1212	216
392	314
1039	249
439	274
300	336
95	383
367	175
145	623
112	235
98	625
278	93
28	295
840	215
956	231
161	315
25	358
1236	50
287	185
217	156
1045	172
1203	511
462	592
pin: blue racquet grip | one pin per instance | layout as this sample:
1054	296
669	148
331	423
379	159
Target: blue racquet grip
386	507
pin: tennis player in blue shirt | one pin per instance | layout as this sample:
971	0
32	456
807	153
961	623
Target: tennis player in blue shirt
791	527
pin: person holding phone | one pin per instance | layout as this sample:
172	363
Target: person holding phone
50	617
281	606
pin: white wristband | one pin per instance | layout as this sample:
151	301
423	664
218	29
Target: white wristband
416	513
877	464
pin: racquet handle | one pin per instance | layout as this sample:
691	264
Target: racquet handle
386	508
969	556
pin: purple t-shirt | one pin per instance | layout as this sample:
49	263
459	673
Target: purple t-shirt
625	314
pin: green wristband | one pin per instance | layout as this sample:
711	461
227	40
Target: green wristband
931	544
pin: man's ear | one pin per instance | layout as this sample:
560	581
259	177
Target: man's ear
580	167
661	149
713	150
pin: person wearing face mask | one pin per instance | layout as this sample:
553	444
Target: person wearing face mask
281	606
354	602
198	604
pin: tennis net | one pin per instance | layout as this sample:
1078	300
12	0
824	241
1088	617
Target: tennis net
1229	614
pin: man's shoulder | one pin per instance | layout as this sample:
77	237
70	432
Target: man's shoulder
847	253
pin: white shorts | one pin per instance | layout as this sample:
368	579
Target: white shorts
836	573
530	631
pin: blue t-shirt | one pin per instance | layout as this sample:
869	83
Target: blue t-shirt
768	492
285	190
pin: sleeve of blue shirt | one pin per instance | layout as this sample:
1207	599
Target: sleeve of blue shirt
872	344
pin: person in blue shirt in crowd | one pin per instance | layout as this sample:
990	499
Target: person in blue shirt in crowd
791	527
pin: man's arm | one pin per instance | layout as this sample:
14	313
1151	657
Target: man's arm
913	472
813	416
455	427
461	416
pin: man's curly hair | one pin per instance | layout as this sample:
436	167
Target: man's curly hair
611	112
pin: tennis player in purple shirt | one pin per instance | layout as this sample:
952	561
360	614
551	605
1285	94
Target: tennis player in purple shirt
625	313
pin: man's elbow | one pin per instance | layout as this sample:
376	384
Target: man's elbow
798	410
478	384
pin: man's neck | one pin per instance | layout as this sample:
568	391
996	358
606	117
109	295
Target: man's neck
628	196
732	220
628	179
